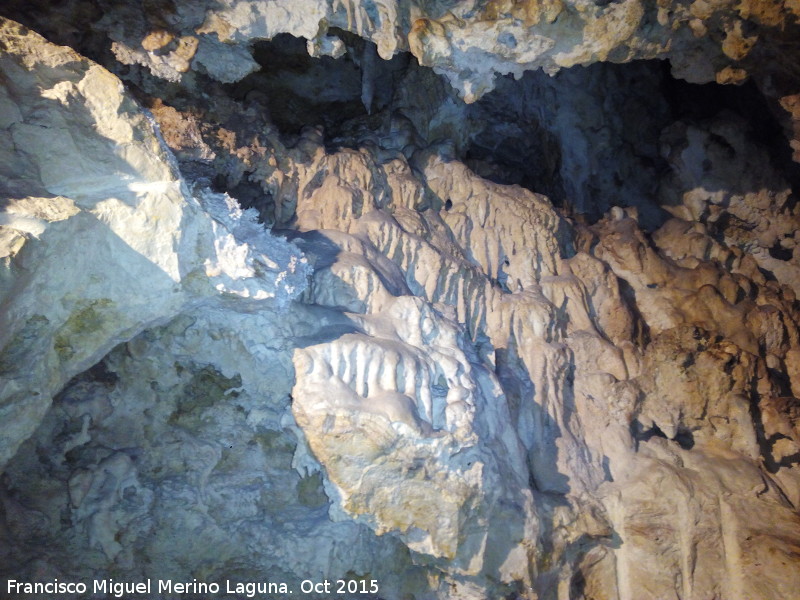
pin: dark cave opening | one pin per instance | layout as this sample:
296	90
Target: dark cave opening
700	102
297	90
683	436
587	137
523	153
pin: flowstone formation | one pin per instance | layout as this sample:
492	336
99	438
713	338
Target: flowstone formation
395	293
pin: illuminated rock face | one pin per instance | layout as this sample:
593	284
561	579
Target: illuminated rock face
91	191
468	42
419	376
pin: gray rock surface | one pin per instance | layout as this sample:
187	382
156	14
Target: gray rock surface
420	375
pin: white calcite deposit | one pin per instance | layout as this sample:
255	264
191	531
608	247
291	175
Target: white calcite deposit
91	190
418	376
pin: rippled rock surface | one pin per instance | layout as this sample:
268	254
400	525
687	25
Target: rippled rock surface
284	309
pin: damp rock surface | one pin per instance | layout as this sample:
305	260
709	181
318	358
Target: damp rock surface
540	344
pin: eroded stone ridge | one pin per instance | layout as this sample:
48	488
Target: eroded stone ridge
428	378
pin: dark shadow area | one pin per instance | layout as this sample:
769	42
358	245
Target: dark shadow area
298	90
248	193
789	408
640	434
524	154
641	330
683	436
589	137
779	252
698	102
586	137
56	19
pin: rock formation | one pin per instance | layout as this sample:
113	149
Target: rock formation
306	291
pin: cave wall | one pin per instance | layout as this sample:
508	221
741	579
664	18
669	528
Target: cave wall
310	308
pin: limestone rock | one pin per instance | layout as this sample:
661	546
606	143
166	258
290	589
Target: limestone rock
424	375
93	192
751	210
468	42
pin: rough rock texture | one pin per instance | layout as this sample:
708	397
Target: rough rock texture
421	375
90	190
468	42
